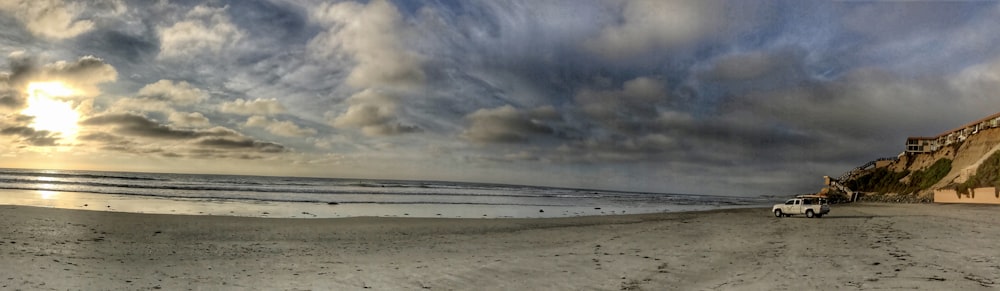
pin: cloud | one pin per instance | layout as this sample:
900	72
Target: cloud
755	65
193	119
166	96
289	129
180	93
374	113
137	125
102	136
31	136
231	143
134	133
10	98
626	109
282	128
204	30
257	121
18	125
862	115
647	147
979	82
863	103
53	19
83	75
647	25
370	34
507	124
646	92
258	106
640	121
890	21
141	104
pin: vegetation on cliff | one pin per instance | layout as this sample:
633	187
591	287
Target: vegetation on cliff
883	180
987	175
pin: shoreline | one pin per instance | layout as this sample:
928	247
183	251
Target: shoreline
255	208
865	246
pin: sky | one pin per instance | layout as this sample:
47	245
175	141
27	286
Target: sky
734	98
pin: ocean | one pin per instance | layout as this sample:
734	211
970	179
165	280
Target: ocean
303	197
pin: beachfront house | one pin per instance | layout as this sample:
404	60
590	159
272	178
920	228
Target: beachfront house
922	144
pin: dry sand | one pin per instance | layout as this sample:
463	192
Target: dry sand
876	246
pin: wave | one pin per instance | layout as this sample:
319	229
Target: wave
280	200
76	175
341	191
112	188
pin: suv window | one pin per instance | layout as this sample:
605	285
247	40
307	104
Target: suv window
807	201
790	202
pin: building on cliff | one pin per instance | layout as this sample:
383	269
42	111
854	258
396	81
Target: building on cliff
923	144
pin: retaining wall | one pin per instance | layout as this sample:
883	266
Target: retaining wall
978	195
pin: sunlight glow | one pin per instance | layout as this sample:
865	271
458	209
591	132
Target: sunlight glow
50	113
48	195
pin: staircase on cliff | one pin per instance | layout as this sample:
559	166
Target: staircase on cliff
838	183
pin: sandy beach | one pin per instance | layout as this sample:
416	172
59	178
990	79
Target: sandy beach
873	246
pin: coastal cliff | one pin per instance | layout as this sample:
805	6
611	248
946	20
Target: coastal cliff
969	164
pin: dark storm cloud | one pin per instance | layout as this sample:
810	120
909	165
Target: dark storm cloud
509	125
121	144
11	96
31	136
126	49
11	99
375	113
272	20
101	137
242	143
139	126
758	66
736	89
131	124
886	21
629	109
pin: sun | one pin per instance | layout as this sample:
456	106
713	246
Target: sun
49	112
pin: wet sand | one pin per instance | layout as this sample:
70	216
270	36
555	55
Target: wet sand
874	246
